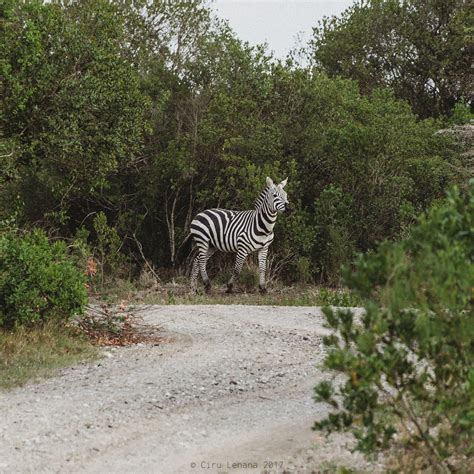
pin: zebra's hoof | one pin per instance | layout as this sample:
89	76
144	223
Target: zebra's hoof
207	288
262	290
230	289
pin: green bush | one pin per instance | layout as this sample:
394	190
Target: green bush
409	360
37	281
107	250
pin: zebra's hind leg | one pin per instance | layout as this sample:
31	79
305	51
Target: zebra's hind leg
239	261
194	275
204	255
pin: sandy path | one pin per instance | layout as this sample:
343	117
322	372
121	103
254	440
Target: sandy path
233	386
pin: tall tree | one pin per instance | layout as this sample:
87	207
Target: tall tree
421	48
71	100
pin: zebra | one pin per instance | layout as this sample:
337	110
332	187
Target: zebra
240	232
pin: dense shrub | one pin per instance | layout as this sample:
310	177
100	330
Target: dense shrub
72	107
409	361
369	167
122	120
37	281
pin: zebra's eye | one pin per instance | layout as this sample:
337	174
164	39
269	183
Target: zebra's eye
275	195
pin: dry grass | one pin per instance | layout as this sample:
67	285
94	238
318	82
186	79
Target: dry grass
33	353
117	325
280	296
30	353
175	289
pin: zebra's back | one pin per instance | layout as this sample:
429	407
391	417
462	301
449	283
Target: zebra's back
220	228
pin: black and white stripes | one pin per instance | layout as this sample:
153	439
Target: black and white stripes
241	232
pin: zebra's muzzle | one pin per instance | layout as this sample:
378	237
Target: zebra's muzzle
288	209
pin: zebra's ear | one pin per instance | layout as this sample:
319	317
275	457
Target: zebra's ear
283	183
269	182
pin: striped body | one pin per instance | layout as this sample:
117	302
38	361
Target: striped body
228	231
241	232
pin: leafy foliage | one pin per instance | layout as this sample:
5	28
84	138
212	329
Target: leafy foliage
38	282
107	248
420	48
367	168
408	360
71	101
147	112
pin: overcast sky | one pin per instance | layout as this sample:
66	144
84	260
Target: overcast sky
276	22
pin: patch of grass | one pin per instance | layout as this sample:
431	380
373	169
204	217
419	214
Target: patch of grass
35	352
176	291
116	290
285	296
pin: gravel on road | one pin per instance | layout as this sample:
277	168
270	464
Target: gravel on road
230	389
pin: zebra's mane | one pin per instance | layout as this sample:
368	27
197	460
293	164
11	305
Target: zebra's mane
261	198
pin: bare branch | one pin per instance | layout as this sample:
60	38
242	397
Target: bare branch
140	249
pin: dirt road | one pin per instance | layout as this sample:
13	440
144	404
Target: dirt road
231	391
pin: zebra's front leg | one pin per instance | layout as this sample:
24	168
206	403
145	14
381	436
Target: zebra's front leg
239	262
262	268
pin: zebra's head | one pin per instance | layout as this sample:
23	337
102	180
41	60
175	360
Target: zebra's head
277	197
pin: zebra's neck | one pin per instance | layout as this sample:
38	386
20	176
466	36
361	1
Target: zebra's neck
261	199
265	218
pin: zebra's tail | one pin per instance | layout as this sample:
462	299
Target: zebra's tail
186	249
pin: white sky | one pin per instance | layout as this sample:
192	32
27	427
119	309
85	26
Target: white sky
276	22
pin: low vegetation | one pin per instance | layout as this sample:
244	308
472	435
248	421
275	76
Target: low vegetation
408	363
38	281
30	353
281	296
116	325
44	321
